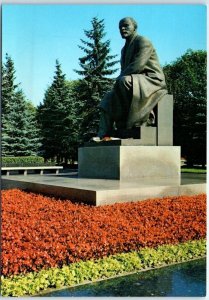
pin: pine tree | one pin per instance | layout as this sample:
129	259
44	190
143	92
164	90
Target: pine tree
14	133
56	119
96	66
17	121
8	85
75	119
33	132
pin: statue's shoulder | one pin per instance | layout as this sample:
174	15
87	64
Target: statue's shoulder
143	40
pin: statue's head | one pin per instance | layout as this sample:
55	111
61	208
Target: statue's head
127	27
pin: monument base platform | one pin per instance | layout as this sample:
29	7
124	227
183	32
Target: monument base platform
104	192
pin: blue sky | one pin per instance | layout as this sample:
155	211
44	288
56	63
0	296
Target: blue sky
36	35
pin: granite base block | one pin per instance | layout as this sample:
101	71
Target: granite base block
130	162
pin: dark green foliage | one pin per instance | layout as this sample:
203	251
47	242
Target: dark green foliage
24	161
32	133
75	141
57	119
14	141
96	66
186	80
19	128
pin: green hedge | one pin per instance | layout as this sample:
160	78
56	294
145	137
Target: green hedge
84	271
24	161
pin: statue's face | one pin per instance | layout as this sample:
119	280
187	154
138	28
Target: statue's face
126	28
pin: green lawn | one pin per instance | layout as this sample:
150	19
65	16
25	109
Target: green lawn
193	170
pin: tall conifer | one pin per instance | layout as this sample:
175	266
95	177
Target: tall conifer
17	121
96	69
56	117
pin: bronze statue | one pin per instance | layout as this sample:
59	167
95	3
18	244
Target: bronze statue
139	87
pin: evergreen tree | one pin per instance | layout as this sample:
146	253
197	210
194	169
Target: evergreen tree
8	85
33	132
76	118
14	141
186	80
96	66
19	135
56	119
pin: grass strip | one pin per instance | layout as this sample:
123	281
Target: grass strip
92	270
193	170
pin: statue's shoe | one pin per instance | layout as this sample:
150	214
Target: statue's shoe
104	139
109	138
95	139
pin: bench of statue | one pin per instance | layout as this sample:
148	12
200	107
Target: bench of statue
159	134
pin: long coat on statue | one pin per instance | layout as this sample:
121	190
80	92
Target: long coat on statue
140	61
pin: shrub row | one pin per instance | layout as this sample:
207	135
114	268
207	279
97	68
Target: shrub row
24	161
40	232
118	264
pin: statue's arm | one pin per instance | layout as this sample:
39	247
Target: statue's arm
143	50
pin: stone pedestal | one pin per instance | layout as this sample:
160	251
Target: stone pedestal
149	156
130	162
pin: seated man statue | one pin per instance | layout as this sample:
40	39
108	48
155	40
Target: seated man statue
139	87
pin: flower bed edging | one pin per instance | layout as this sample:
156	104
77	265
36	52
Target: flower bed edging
91	270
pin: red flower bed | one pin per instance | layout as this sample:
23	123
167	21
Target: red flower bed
41	232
